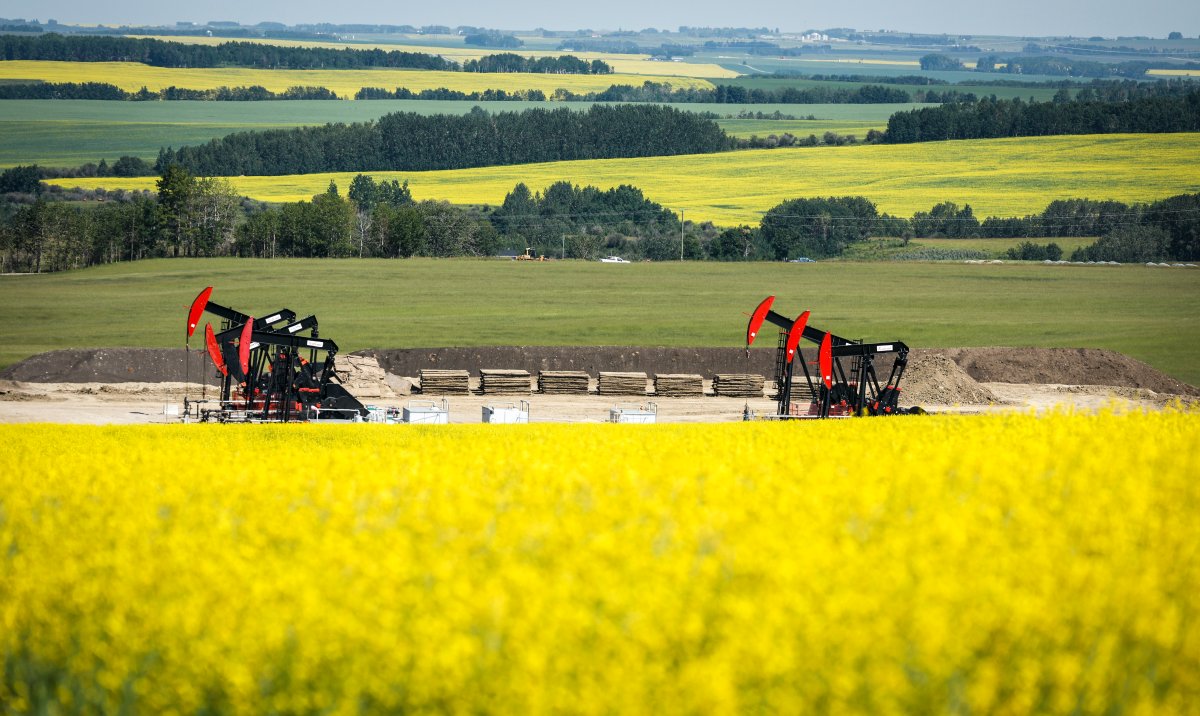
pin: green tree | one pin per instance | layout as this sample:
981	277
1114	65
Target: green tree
817	227
175	189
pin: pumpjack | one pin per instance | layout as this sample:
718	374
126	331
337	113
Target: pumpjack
272	369
847	383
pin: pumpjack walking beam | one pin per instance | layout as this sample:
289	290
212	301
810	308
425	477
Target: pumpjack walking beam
266	365
857	391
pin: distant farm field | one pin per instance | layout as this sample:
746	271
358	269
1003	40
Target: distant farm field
997	177
1152	314
132	76
455	49
68	133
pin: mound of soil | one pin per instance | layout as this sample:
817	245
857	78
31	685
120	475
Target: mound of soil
112	365
927	369
1067	366
933	379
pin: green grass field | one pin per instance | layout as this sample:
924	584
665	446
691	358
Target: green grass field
1149	313
997	177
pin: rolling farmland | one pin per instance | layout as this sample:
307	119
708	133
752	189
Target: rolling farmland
69	133
997	177
132	76
453	48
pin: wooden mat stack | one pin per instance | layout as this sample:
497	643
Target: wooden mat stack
678	385
494	381
445	382
738	385
563	382
622	383
800	391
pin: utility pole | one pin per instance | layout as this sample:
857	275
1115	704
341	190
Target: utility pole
681	234
564	247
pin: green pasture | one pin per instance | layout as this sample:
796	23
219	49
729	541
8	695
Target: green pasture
1152	314
69	133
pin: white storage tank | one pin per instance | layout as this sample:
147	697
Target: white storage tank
427	412
507	414
635	414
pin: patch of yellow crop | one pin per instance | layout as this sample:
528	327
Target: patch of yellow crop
997	177
458	52
131	76
1174	73
999	564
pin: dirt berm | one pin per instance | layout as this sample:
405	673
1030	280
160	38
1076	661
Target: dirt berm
1069	366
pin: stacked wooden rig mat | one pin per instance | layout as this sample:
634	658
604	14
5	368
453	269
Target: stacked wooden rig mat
563	382
622	383
445	382
496	381
738	385
678	385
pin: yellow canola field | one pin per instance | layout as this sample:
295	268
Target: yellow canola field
132	76
459	52
1173	73
997	177
1006	564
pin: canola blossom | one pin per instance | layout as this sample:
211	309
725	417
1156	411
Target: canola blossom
965	564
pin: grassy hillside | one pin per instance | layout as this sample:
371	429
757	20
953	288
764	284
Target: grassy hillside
1150	313
997	177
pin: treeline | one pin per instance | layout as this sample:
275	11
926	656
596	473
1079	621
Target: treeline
1032	63
441	93
650	91
104	91
192	216
991	118
160	53
414	142
563	65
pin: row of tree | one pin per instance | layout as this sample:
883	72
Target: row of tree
991	118
414	142
650	91
562	65
1031	63
105	91
192	216
165	53
441	93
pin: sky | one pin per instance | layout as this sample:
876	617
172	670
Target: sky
1080	18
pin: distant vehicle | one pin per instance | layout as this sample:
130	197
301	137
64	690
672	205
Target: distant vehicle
613	260
802	260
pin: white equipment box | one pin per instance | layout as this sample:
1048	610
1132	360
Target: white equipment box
636	414
507	414
427	412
